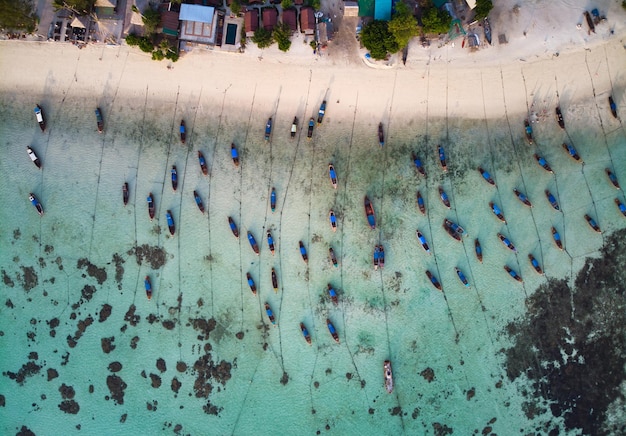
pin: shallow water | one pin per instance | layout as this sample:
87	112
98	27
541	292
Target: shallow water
265	379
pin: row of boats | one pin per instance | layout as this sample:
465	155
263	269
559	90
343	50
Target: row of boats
41	119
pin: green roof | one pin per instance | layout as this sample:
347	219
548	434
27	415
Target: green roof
439	3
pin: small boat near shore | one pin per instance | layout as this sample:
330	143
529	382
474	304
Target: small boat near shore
487	30
273	199
478	250
233	227
369	213
268	129
388	376
381	135
333	257
174	173
507	243
321	112
592	224
170	222
253	244
376	259
418	165
462	277
305	333
433	280
35	202
33	157
620	206
522	197
183	131
125	193
559	117
513	273
234	154
442	158
552	200
332	330
198	200
529	131
305	256
41	119
453	229
497	212
294	127
274	281
332	294
148	285
99	120
612	178
486	176
423	241
333	175
590	23
333	220
251	283
543	163
420	203
270	242
571	151
557	239
151	207
270	314
535	264
202	162
444	197
381	256
309	132
612	106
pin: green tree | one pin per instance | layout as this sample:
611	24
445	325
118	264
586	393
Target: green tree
403	25
286	4
483	7
436	21
263	38
378	40
282	35
151	19
81	7
17	15
235	7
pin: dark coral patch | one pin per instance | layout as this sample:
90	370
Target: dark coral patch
52	374
176	384
105	312
156	381
8	281
116	386
131	317
67	392
69	406
107	344
115	366
118	261
428	374
155	256
28	369
181	366
99	274
160	364
29	278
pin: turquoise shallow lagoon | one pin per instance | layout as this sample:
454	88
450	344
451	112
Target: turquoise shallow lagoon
85	352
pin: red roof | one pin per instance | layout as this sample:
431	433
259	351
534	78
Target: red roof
298	2
270	18
290	18
169	20
307	19
251	20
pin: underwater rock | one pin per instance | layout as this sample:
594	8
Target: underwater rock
205	327
25	431
160	364
48	249
428	374
52	374
181	366
441	430
570	344
53	323
2	400
8	281
33	355
168	324
87	292
91	389
176	385
133	342
370	411
116	386
9	304
107	344
283	380
395	411
69	406
67	392
105	312
82	326
416	413
221	373
130	316
239	335
155	256
118	261
29	278
115	366
470	394
211	409
156	381
93	271
28	369
123	418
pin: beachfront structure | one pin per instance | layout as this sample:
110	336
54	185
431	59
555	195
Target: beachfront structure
382	10
169	20
251	21
290	18
307	20
270	18
198	24
105	8
350	9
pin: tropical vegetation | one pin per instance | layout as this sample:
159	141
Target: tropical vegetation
18	15
377	38
436	20
263	38
282	35
482	9
151	20
80	7
403	25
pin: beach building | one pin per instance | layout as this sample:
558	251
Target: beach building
105	8
290	18
350	9
270	18
169	19
307	20
198	25
382	10
251	21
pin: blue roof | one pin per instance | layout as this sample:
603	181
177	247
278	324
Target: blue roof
382	10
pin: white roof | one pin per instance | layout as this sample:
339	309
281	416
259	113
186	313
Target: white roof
199	13
106	3
471	3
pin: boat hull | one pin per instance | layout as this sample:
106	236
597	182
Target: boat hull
388	376
369	213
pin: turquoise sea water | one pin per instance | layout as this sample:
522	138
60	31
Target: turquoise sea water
63	272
